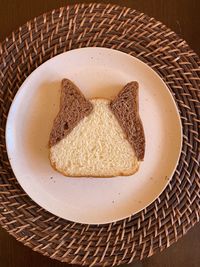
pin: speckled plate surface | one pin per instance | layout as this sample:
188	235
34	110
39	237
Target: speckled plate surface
99	72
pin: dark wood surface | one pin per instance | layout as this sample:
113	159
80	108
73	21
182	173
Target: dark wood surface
183	17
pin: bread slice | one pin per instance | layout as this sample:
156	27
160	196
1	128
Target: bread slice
96	144
73	108
126	109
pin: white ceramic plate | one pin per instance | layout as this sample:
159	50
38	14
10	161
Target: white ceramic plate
99	72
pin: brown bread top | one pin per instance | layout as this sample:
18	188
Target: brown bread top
126	109
73	108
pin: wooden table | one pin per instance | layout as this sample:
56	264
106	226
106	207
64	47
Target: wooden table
183	17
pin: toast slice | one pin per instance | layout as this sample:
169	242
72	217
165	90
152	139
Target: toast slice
103	138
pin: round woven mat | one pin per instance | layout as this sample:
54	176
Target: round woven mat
178	207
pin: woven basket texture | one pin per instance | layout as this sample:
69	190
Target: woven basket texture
177	209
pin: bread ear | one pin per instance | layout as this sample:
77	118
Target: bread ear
126	109
73	108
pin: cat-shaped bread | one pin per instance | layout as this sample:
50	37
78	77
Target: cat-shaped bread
97	137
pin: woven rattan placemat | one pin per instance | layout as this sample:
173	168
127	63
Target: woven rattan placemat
178	208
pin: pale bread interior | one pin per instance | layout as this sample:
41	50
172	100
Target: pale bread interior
97	146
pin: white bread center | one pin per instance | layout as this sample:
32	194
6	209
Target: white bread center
97	146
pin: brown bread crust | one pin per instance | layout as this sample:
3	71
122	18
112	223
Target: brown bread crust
126	109
73	108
